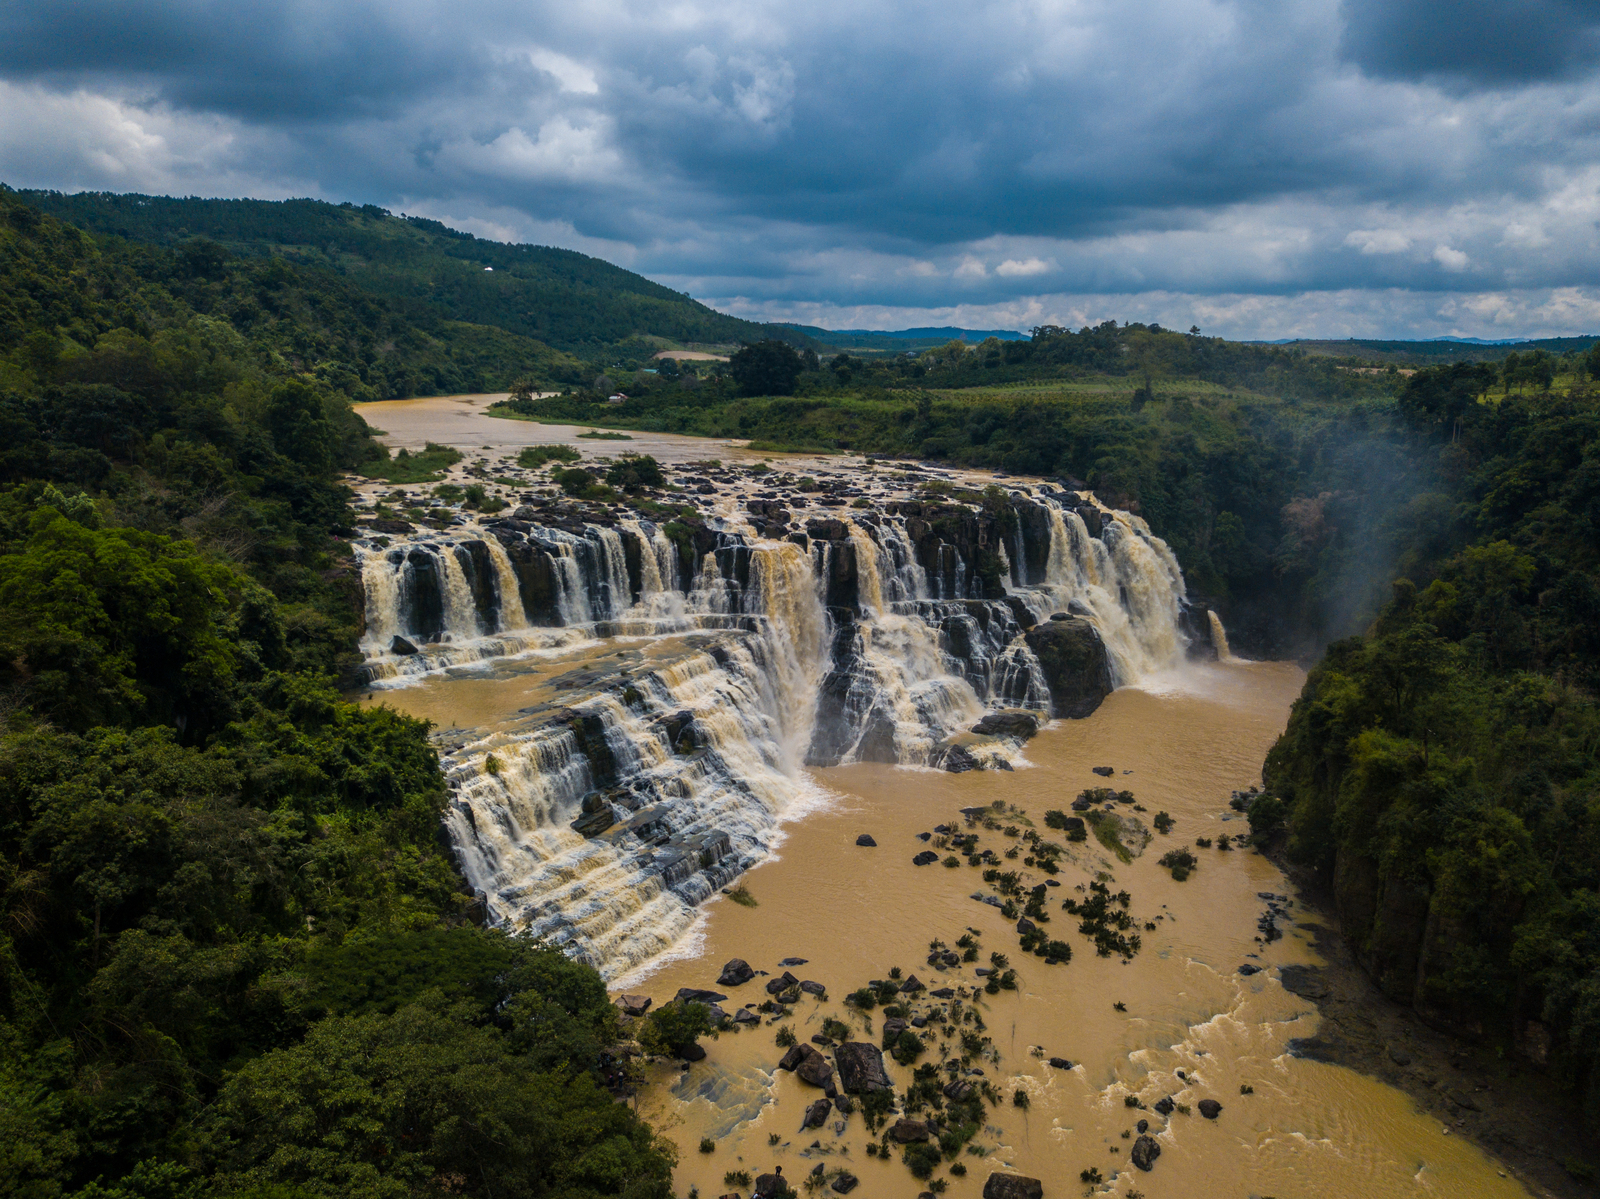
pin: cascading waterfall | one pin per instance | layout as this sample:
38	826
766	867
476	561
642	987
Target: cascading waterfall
600	818
1219	637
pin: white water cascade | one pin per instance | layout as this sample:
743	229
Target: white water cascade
652	777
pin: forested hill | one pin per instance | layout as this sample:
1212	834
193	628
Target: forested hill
569	300
235	958
1442	772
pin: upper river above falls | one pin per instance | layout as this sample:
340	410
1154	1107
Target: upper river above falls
638	713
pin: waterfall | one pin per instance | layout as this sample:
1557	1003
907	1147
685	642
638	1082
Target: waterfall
637	784
1219	637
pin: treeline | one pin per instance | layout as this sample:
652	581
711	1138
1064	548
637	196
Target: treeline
1443	771
235	958
579	304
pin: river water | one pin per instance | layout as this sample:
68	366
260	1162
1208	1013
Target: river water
1181	739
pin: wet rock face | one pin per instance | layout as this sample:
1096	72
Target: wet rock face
1076	666
735	973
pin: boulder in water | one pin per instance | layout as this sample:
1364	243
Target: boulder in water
959	760
1076	667
746	1016
692	1052
865	839
1105	771
808	1066
845	1183
633	1005
783	982
905	1132
1209	1108
911	985
1061	1063
399	645
1165	1106
1011	723
736	973
697	995
816	1115
768	1186
1145	1151
926	858
813	988
1012	1186
861	1067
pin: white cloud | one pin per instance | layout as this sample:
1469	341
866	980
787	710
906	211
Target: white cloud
1449	258
1395	312
1378	241
971	268
573	76
1013	268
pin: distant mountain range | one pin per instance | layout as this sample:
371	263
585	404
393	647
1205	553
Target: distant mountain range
881	340
1432	351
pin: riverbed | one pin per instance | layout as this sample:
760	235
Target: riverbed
1199	1012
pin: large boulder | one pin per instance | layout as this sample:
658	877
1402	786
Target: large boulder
808	1066
735	973
860	1067
1210	1108
1012	1186
905	1132
1010	723
816	1114
1076	667
1145	1152
633	1005
697	995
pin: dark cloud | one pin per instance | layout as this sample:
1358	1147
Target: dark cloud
1488	43
857	153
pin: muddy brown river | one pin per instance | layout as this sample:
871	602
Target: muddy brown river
1180	1020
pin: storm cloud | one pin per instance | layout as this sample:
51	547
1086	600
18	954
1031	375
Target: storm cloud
1377	167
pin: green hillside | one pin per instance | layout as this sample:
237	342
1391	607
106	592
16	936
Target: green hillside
569	300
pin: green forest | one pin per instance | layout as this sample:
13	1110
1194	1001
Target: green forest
235	958
578	304
227	911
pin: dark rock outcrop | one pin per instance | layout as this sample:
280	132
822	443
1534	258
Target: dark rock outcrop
1209	1108
1012	1186
808	1066
905	1132
926	858
1145	1152
1008	724
861	1068
735	973
865	839
1076	667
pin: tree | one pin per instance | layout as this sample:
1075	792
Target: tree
766	368
632	472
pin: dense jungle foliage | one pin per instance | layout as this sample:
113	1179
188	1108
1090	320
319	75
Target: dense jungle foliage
235	958
576	303
1444	770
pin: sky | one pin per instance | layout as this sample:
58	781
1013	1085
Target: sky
1364	168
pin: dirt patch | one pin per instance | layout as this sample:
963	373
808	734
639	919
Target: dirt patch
1500	1103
